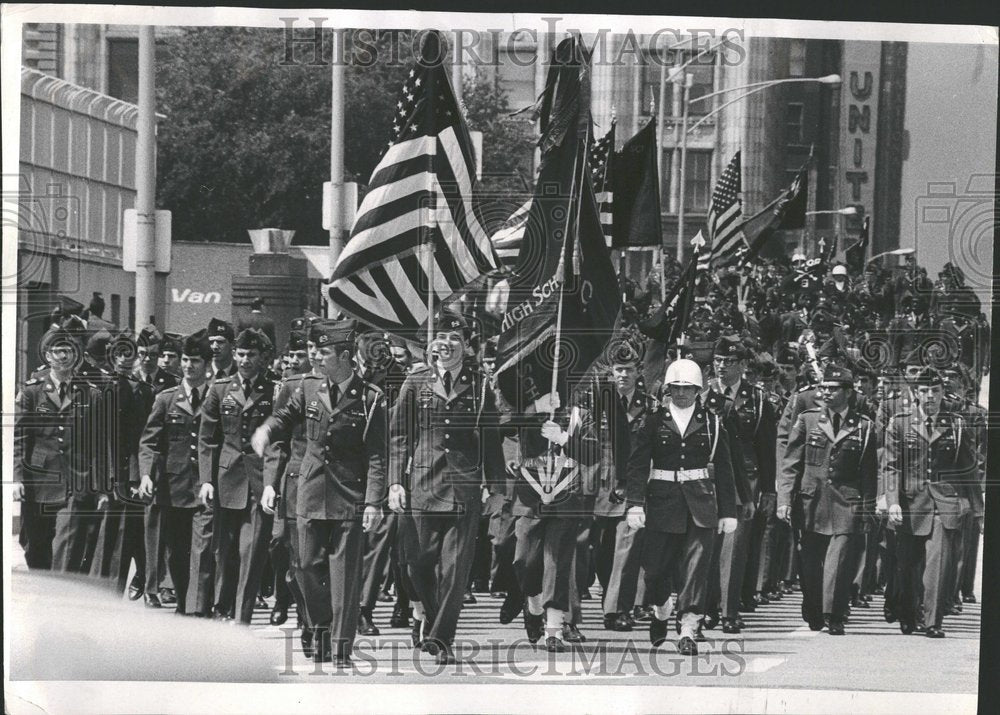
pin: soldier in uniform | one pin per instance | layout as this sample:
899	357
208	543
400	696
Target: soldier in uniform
341	483
443	440
147	367
829	479
681	489
232	476
54	464
929	470
170	354
200	599
168	468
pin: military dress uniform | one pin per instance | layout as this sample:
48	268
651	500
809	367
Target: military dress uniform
685	483
54	427
441	446
342	471
929	470
829	480
168	454
233	409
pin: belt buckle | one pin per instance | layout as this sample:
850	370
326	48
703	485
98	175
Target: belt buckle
688	475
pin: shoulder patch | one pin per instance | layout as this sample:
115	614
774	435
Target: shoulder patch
223	380
34	381
168	390
811	410
420	369
804	388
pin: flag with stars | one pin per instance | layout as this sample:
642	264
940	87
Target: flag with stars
422	193
725	218
600	162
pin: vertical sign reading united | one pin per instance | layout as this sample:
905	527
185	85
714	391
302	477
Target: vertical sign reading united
858	129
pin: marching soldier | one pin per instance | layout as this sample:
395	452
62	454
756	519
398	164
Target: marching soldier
232	476
681	489
147	367
168	468
341	483
828	481
55	457
443	437
929	471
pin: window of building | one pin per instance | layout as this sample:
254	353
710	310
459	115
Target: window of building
517	79
703	72
116	309
793	123
123	69
666	166
797	58
698	183
131	311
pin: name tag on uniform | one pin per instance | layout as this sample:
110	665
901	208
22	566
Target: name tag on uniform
312	412
175	418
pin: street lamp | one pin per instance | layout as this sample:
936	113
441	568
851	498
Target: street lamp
754	88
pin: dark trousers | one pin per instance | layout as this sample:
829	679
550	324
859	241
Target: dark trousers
405	592
121	539
678	562
729	561
581	574
378	544
825	575
241	540
623	582
331	553
38	531
284	551
603	537
483	555
201	575
968	555
767	527
543	557
168	540
504	540
936	551
439	550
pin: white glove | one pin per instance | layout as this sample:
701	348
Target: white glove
206	494
554	433
896	514
145	486
784	513
18	491
880	505
267	500
371	518
260	439
636	518
727	526
397	498
547	403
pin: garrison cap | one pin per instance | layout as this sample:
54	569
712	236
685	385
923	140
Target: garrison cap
302	324
97	346
196	345
296	340
448	321
221	327
172	342
927	377
61	336
334	332
837	375
123	345
149	337
730	346
253	339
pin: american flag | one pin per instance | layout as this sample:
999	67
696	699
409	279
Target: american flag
507	240
725	217
420	194
601	161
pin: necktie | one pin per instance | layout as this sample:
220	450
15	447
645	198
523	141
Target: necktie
836	423
195	399
334	394
447	383
247	387
62	392
149	379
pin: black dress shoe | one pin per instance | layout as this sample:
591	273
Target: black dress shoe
554	644
279	614
510	607
469	599
934	632
585	595
951	610
889	614
609	621
879	590
384	597
322	647
711	620
433	646
400	618
534	626
658	631
343	662
687	646
920	627
135	588
366	626
969	598
835	627
261	603
445	656
306	641
481	585
224	617
152	601
415	636
816	624
748	605
632	623
168	596
623	623
572	634
729	626
498	594
642	613
739	621
906	627
762	599
699	637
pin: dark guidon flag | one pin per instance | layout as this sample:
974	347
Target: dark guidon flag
422	193
637	192
562	253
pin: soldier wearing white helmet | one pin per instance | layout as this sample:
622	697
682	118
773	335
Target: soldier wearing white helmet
680	488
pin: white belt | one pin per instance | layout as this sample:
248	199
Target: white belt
681	475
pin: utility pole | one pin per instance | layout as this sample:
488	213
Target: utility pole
145	184
337	102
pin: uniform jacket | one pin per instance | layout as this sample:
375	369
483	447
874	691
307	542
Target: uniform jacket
52	438
830	480
721	406
168	450
929	472
343	466
283	458
162	380
617	421
442	447
228	420
658	443
755	424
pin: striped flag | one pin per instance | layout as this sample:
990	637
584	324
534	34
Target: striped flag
600	162
725	217
420	195
507	240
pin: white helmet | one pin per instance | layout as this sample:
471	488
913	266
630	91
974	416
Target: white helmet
798	256
683	372
839	270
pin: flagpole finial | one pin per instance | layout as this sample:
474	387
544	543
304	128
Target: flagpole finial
652	106
613	117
